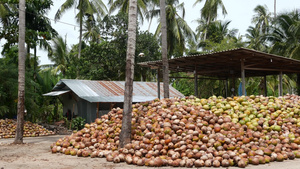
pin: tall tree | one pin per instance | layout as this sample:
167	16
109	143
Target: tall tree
38	27
125	135
164	47
91	31
217	31
255	39
123	6
60	55
262	18
21	78
105	59
209	12
85	8
256	35
285	35
178	31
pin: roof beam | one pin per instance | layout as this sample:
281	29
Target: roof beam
274	70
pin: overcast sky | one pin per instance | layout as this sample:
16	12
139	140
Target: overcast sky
239	12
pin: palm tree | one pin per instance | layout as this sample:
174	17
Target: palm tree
262	18
151	7
216	32
60	55
91	31
209	12
256	35
285	35
125	135
255	39
178	31
85	8
201	29
123	6
164	47
21	78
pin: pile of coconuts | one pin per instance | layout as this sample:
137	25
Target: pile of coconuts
8	129
193	132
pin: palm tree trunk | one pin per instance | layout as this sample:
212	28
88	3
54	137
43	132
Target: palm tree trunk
274	8
206	29
164	47
150	20
80	37
125	135
21	77
298	84
80	41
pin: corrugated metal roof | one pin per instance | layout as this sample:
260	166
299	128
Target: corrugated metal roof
56	93
112	91
227	64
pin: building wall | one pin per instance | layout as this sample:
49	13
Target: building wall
84	108
69	103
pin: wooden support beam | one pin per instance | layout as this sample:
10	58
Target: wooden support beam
226	88
97	109
196	82
158	83
280	92
232	89
251	65
243	76
298	84
265	86
199	78
112	104
213	71
275	70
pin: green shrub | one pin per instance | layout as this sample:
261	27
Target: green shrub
78	123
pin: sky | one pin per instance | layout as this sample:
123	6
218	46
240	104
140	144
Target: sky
240	13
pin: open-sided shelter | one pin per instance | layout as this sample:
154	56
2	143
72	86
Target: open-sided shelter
91	99
235	63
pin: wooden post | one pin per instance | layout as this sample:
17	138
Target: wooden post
97	109
233	87
226	87
112	104
280	85
158	83
243	77
70	127
298	84
265	85
196	82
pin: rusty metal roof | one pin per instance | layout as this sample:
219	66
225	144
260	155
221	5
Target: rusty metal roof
227	63
111	91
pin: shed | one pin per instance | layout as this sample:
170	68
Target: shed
234	63
91	99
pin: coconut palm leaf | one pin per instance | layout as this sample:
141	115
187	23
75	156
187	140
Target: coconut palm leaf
123	6
178	30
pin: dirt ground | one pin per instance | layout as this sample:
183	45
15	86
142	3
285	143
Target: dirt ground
35	154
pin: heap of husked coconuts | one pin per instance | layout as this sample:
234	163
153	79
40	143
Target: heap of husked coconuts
8	129
196	132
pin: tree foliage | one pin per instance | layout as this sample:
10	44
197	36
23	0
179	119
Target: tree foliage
106	60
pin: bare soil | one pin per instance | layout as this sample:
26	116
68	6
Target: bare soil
35	154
